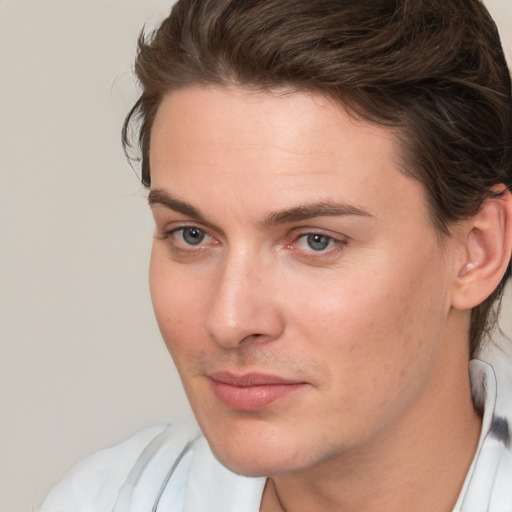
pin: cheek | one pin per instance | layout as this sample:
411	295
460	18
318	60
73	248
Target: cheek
373	334
179	302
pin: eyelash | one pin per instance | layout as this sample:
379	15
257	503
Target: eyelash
169	235
334	244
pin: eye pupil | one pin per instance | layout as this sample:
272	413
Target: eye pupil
193	236
318	242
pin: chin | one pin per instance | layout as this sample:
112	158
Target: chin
260	444
257	458
248	466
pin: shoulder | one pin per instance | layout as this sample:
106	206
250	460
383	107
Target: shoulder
95	483
487	484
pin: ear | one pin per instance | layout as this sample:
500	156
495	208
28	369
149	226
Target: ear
487	243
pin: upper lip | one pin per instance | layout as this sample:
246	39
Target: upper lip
250	379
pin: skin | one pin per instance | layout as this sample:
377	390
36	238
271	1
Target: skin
383	419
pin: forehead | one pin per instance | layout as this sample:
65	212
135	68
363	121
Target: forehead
272	147
280	117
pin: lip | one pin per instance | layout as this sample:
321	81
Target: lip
251	391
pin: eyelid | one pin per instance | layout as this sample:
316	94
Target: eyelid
340	241
168	232
303	231
294	237
164	216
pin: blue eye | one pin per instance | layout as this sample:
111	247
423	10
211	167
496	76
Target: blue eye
192	236
318	242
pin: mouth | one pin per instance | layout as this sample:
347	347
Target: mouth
252	391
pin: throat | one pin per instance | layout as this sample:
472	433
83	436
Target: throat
270	501
418	481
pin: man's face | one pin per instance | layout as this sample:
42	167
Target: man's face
296	278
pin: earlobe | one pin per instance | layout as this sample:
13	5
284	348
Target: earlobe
487	242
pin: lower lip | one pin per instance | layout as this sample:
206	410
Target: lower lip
252	398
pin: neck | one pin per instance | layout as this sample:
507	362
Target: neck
418	463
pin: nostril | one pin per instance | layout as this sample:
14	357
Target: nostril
251	337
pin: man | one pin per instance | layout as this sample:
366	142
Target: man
330	183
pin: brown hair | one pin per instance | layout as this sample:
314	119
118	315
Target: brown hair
434	69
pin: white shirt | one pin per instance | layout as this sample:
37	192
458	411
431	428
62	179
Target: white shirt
171	468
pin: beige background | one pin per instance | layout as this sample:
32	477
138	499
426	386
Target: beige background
81	361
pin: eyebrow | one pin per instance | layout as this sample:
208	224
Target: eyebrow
287	215
158	196
310	211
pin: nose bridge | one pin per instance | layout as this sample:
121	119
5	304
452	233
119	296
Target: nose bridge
243	305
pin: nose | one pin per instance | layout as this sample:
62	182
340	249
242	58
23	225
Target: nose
244	307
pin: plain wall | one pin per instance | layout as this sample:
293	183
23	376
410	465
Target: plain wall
82	362
82	365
